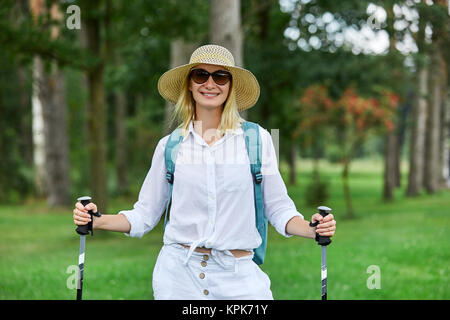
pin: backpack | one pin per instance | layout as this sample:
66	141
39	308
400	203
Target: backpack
253	146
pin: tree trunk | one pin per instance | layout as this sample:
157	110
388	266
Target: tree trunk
392	150
26	141
121	142
53	92
348	199
389	165
180	53
55	120
96	114
37	8
226	29
400	137
38	129
49	120
263	18
444	132
83	38
433	123
417	142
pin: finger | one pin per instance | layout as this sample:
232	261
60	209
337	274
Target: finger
328	217
327	234
325	230
316	217
81	218
91	206
79	206
326	224
79	222
81	213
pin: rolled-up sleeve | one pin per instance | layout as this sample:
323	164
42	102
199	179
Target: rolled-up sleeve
153	196
278	206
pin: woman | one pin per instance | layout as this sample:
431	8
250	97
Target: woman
211	233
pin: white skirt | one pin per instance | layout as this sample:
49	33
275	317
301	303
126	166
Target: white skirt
218	276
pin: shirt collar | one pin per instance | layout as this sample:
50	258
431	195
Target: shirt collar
230	132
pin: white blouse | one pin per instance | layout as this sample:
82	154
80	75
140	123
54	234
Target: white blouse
212	197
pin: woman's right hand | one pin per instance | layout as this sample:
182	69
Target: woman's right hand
80	213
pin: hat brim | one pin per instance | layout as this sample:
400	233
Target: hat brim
245	84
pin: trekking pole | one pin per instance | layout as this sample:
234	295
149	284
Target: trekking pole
323	242
83	231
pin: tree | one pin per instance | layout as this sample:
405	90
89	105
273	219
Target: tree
418	120
50	110
180	52
37	8
226	31
96	23
437	79
355	117
312	110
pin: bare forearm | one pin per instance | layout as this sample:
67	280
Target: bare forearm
112	222
299	227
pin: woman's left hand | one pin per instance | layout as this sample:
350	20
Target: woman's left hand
326	226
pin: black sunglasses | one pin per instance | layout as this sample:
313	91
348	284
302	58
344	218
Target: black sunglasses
200	76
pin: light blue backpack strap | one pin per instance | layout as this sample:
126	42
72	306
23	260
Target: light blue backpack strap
170	156
254	149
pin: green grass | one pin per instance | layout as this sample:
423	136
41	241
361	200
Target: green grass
407	239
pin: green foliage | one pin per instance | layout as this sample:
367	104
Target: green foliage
136	36
16	176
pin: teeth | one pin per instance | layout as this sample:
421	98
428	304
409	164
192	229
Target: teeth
210	95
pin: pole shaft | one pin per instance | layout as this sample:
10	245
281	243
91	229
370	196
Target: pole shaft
324	272
81	267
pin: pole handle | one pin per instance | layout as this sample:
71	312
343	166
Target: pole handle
321	240
85	229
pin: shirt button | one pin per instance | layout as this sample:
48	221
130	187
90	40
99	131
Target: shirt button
205	292
205	257
202	275
203	263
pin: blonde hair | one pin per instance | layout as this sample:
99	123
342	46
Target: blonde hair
184	110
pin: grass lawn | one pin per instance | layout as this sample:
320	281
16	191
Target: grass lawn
407	240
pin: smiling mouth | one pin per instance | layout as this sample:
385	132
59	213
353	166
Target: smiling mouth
209	94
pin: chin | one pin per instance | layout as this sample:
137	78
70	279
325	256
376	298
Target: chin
211	104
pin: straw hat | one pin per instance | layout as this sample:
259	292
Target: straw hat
244	82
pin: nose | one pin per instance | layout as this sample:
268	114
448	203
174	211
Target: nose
210	82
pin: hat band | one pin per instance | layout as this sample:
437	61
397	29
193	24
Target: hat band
221	59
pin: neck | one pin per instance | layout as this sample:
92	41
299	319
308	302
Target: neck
206	123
